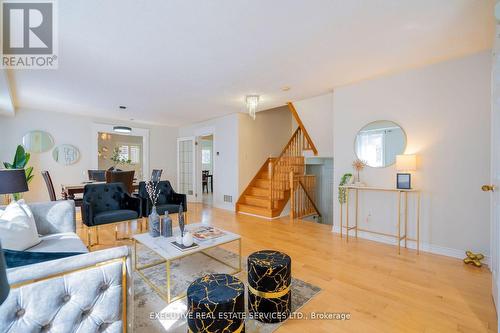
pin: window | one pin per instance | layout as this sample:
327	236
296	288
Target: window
123	152
371	147
205	156
132	153
135	154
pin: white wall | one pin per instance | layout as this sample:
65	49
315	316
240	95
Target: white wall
225	164
76	130
265	136
445	111
316	114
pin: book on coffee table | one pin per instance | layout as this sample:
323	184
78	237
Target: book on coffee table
182	247
206	233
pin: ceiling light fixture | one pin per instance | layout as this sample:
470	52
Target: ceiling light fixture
122	129
252	102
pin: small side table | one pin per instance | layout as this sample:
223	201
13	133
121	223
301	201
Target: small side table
402	194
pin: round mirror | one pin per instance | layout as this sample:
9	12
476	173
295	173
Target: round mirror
379	142
66	154
37	141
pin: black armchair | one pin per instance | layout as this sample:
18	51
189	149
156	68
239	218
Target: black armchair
168	200
108	203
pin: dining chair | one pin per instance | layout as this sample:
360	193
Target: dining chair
124	177
156	175
97	175
204	180
52	192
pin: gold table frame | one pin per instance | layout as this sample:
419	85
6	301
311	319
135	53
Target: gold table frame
398	237
168	296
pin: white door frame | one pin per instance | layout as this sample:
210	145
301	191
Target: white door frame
136	131
199	187
191	198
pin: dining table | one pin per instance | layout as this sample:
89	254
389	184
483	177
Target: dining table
68	191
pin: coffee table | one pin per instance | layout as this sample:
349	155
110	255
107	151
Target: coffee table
162	247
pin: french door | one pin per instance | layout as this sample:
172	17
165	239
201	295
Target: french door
494	185
186	167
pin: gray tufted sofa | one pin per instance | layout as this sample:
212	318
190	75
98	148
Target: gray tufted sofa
91	292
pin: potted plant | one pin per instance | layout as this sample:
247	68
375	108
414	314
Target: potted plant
21	159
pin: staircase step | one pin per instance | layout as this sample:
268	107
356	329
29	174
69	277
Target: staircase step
260	211
262	183
263	192
258	201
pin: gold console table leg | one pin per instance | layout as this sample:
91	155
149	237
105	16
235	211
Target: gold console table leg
399	223
347	214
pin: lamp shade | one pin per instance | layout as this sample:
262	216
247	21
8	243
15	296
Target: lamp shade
406	162
13	181
4	283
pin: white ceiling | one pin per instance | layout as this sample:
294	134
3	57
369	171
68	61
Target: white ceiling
180	61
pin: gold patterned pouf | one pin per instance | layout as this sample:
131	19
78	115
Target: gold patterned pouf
269	279
216	304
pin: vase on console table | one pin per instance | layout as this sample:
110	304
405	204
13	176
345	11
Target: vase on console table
154	223
166	225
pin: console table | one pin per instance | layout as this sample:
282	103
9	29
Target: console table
400	193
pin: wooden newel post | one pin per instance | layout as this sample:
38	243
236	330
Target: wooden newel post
270	177
292	197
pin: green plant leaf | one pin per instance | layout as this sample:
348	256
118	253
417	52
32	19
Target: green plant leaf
8	165
20	158
29	174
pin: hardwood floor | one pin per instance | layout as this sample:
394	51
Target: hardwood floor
383	291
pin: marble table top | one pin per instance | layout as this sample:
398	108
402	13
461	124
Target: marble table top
163	247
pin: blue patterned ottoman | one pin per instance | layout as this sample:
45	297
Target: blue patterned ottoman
216	304
269	281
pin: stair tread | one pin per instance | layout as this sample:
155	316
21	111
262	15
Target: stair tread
263	197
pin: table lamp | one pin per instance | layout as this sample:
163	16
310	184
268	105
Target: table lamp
4	283
13	181
405	163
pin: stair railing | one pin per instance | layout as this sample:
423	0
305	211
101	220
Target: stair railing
290	159
302	198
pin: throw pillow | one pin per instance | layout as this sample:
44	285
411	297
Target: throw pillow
17	227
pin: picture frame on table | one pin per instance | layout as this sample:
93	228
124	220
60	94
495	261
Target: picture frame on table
403	181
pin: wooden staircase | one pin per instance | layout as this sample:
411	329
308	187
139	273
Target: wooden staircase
280	178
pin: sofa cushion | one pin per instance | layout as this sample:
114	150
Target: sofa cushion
171	208
17	227
61	242
22	258
115	216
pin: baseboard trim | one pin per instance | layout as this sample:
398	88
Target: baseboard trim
424	247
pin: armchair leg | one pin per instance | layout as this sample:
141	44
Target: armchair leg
127	230
89	238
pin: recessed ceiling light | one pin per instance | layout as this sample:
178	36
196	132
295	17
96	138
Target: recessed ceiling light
123	107
122	129
286	88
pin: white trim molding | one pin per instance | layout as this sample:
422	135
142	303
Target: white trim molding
425	247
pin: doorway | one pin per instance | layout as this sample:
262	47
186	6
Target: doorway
124	151
120	152
206	156
322	168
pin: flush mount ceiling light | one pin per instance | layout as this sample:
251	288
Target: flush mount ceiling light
252	102
122	129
